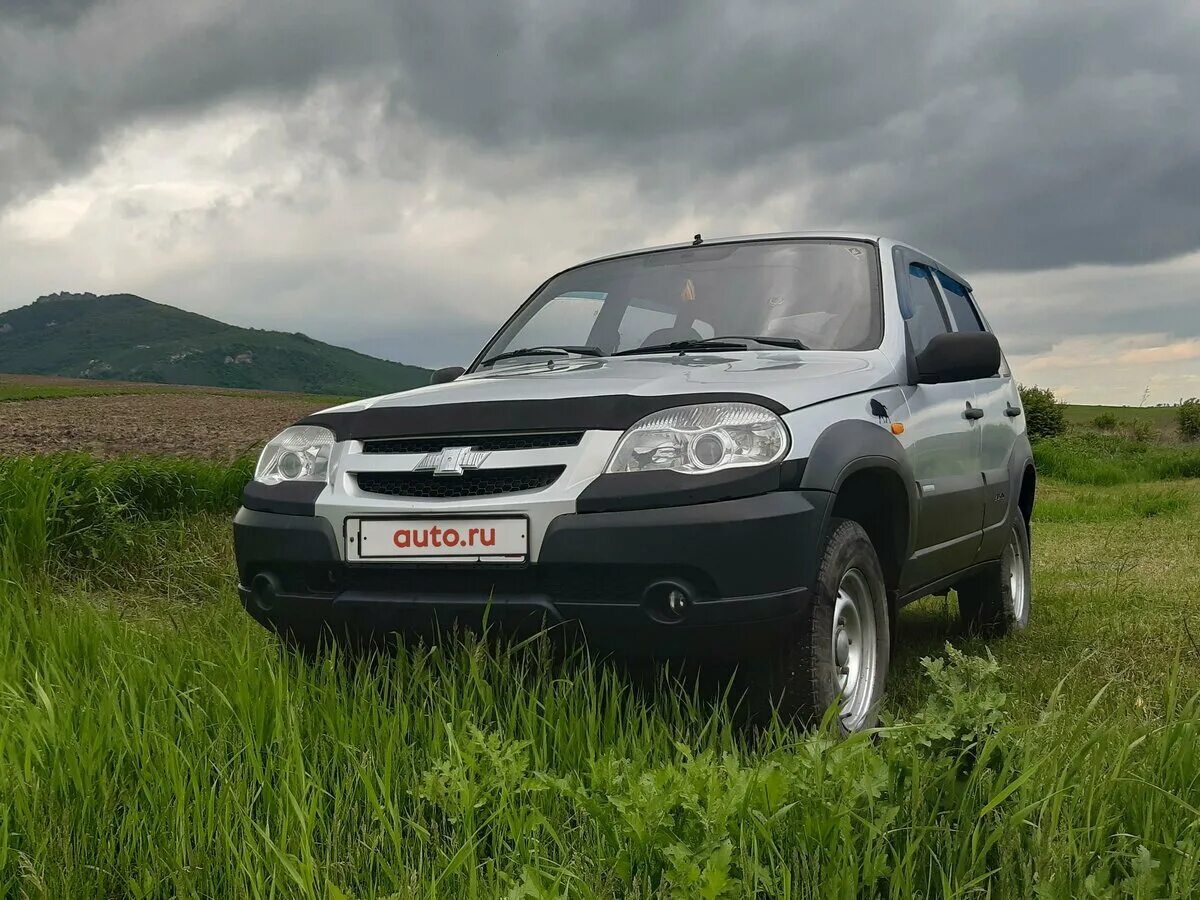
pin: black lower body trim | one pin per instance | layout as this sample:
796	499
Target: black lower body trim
942	585
729	628
742	568
289	498
649	490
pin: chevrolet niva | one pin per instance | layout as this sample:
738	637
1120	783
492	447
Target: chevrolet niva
754	447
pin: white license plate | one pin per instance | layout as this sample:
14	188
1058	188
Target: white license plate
442	540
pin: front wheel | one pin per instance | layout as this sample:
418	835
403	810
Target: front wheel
996	600
837	651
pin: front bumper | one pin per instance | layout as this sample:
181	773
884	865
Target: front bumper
746	565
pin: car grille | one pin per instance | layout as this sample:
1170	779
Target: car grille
529	441
472	483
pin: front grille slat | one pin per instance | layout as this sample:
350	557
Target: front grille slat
549	440
472	483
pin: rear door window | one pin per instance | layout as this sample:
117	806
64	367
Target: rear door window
958	298
924	315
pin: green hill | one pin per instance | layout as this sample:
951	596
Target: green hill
126	338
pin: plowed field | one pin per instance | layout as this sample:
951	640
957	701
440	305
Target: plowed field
216	426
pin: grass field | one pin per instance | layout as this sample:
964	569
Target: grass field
1145	424
50	387
1162	418
156	743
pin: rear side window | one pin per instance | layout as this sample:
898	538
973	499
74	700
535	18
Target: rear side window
959	300
924	315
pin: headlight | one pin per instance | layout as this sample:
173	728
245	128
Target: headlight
708	437
299	453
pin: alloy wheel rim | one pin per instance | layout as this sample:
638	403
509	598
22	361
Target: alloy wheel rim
854	647
1017	589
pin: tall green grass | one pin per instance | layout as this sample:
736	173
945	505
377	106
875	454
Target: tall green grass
1085	457
184	755
197	761
70	511
1118	503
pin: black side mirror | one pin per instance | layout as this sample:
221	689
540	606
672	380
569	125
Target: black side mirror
958	356
441	376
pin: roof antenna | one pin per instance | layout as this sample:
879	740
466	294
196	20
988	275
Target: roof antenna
698	241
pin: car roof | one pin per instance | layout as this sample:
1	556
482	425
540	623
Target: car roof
786	235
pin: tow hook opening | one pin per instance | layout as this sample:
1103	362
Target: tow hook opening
265	589
668	601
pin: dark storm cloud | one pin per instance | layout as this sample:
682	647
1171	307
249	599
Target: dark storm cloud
1030	136
64	92
45	12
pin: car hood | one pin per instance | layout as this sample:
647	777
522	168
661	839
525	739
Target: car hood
793	379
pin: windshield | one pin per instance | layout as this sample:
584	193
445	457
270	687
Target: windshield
823	293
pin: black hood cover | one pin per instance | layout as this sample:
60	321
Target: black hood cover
608	413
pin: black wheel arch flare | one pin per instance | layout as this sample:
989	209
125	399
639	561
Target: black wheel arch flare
851	446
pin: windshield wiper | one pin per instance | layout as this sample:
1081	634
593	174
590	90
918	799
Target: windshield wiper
790	343
683	346
724	342
565	350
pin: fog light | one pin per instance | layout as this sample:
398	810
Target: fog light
265	589
667	601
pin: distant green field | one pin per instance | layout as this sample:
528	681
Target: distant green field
1160	417
16	387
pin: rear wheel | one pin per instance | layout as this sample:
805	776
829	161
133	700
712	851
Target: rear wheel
837	651
996	601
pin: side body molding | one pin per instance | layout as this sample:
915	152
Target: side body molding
853	445
996	536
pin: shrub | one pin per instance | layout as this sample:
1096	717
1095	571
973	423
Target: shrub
1044	416
1189	418
1105	422
1141	431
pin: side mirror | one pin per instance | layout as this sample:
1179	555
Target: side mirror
441	376
958	356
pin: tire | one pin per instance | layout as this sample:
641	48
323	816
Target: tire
996	601
837	650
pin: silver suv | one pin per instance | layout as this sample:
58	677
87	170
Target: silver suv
754	447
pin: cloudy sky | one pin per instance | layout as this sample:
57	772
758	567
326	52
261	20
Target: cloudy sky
396	176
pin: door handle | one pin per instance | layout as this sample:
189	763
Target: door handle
973	412
1011	411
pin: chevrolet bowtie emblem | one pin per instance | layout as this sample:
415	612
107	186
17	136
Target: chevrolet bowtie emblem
452	460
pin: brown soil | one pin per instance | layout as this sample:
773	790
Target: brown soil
209	425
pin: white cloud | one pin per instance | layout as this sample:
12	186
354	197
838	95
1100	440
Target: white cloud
1115	369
